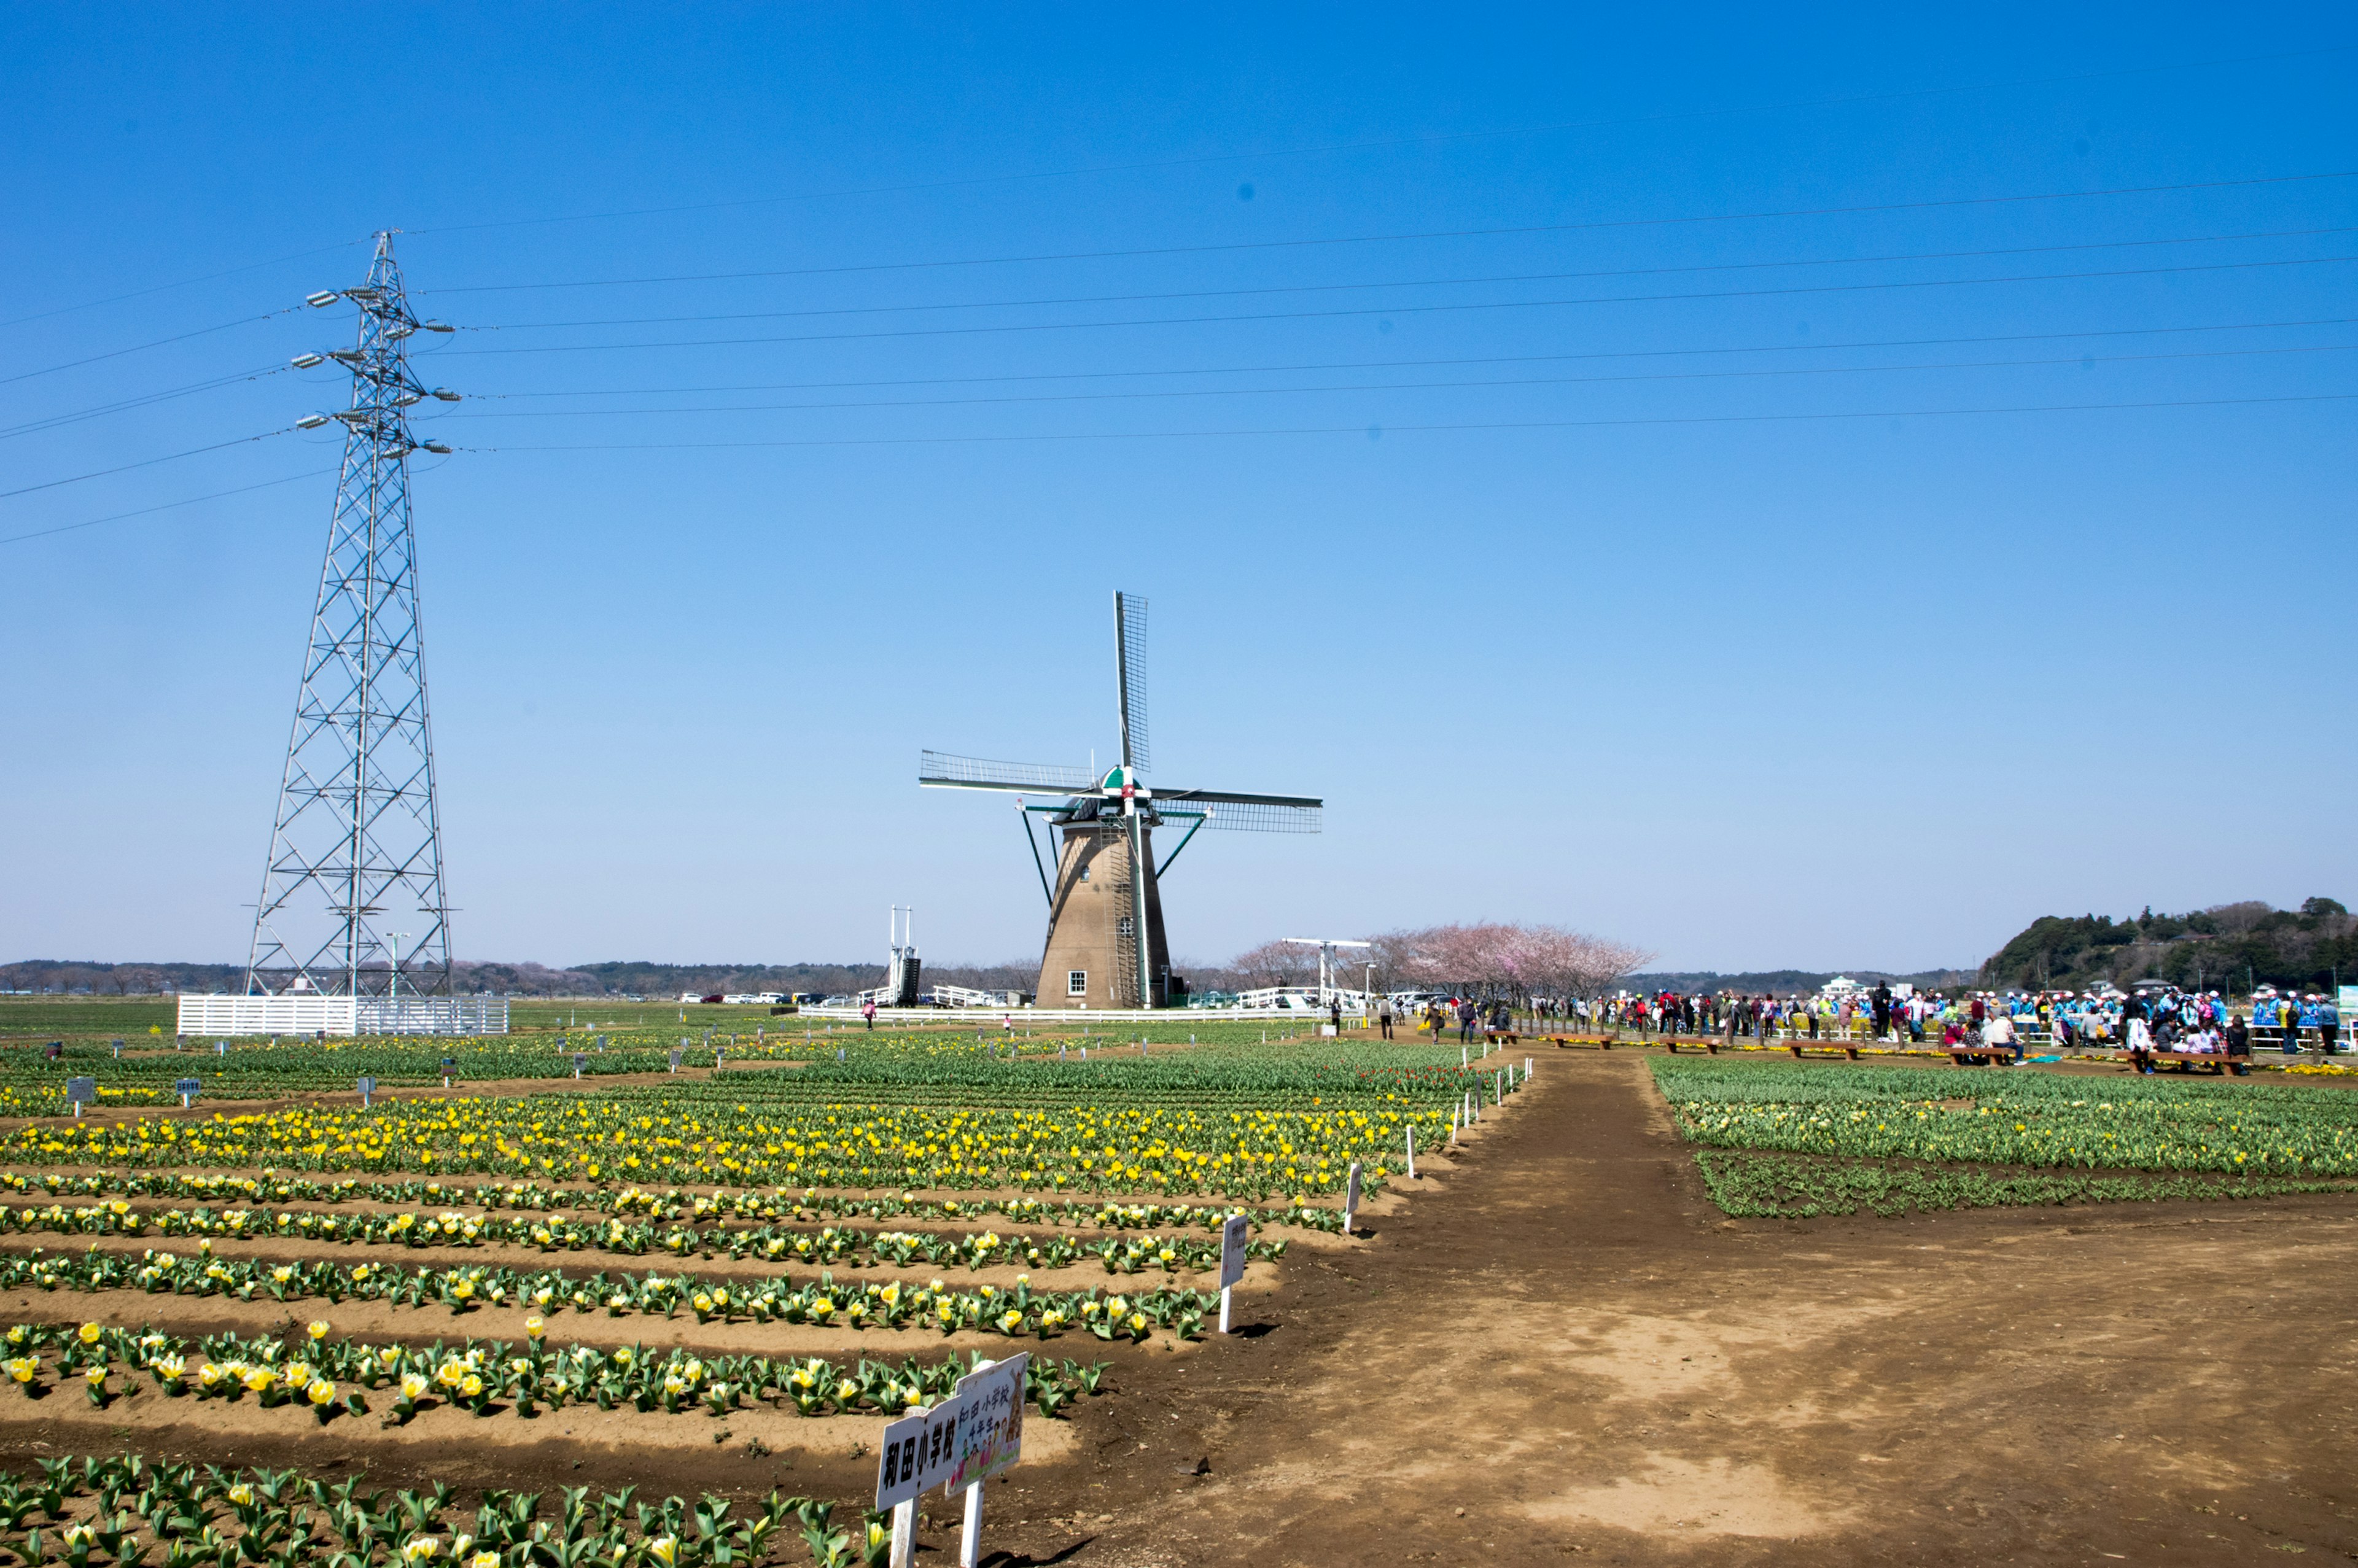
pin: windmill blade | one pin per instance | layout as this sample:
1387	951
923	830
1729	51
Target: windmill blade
1238	813
940	770
1130	674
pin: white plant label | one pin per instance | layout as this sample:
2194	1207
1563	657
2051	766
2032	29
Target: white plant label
919	1453
1350	1197
1234	1232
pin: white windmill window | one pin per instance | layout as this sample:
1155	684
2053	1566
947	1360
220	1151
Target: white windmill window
1125	926
1076	982
1084	873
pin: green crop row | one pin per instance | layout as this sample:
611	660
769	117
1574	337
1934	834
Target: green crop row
1797	1187
2020	1118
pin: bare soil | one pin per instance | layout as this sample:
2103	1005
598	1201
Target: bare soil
1559	1351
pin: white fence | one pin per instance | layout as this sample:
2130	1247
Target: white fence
223	1016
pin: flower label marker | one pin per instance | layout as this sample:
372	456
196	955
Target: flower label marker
1236	1231
186	1088
367	1088
1411	1150
580	1060
919	1453
1350	1197
81	1092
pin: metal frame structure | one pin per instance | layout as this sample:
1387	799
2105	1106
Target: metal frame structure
357	833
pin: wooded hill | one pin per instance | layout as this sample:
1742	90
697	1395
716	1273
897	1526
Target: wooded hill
2238	944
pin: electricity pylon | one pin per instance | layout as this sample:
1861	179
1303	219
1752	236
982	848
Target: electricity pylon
358	835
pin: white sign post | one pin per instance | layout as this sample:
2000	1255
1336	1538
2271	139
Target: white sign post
1411	1150
1350	1197
81	1092
1235	1231
989	1439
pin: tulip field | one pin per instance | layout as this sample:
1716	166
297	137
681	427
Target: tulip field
785	1236
1773	1140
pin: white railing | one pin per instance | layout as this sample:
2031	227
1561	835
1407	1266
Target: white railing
225	1016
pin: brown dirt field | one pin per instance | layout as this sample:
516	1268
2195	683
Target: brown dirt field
1559	1351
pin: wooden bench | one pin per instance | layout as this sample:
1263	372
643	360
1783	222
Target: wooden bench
1978	1055
1709	1043
1567	1042
1826	1046
2219	1063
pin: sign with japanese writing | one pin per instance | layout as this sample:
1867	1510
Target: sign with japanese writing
186	1088
990	1420
81	1091
920	1451
1235	1231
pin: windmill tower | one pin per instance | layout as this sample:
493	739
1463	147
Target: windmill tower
1106	947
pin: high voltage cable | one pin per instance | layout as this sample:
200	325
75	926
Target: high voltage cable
1404	283
1429	138
142	401
1398	385
1409	310
1381	429
165	506
135	348
145	463
1430	363
1388	239
1423	364
183	283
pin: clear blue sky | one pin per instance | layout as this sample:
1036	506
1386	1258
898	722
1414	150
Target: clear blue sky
1603	634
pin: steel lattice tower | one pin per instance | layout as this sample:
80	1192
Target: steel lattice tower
352	894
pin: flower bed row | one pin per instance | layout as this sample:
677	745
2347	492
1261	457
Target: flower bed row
1017	1312
330	1375
808	1205
771	1243
118	1510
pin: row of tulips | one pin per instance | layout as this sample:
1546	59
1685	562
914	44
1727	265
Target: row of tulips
1018	1311
124	1511
808	1205
330	1375
771	1243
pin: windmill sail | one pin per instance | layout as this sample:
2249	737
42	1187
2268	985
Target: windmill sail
940	770
1130	676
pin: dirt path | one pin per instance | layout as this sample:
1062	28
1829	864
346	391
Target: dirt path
1565	1353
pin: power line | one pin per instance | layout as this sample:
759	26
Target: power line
1794	290
145	463
142	401
1404	283
184	282
135	348
1389	239
1429	363
1381	429
1401	387
166	506
1428	139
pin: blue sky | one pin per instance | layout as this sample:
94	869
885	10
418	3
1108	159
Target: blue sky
1693	612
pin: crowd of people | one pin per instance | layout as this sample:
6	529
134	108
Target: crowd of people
2157	1019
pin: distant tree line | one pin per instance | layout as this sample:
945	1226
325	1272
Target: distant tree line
2238	944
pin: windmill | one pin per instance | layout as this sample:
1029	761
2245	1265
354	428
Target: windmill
1106	947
